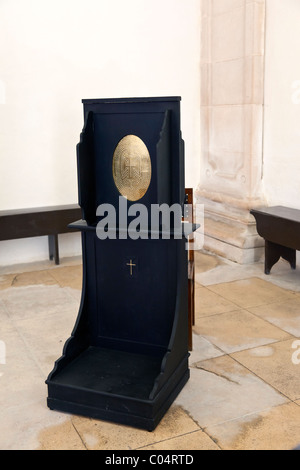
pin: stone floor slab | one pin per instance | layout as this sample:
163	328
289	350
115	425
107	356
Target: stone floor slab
4	317
274	365
68	276
238	330
253	292
221	390
40	265
21	379
101	435
277	428
227	271
6	281
21	424
197	440
46	338
202	350
33	278
60	437
36	301
285	315
205	262
209	303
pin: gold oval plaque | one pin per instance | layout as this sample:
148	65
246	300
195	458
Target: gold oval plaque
132	167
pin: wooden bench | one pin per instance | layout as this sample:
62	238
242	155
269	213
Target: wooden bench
280	227
38	222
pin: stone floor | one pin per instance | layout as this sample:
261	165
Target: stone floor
244	390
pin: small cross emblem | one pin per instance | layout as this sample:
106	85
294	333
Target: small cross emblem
131	265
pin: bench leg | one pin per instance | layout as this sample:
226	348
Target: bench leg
274	252
53	248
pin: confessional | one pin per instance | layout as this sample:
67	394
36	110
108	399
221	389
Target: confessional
127	357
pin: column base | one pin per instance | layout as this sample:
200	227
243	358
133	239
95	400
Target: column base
230	231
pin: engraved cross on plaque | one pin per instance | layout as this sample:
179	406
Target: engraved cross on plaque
131	266
133	166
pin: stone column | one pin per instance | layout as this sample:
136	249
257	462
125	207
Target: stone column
232	96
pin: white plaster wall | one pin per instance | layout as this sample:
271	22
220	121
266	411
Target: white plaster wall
281	175
53	53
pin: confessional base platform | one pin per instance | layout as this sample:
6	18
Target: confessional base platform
115	386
